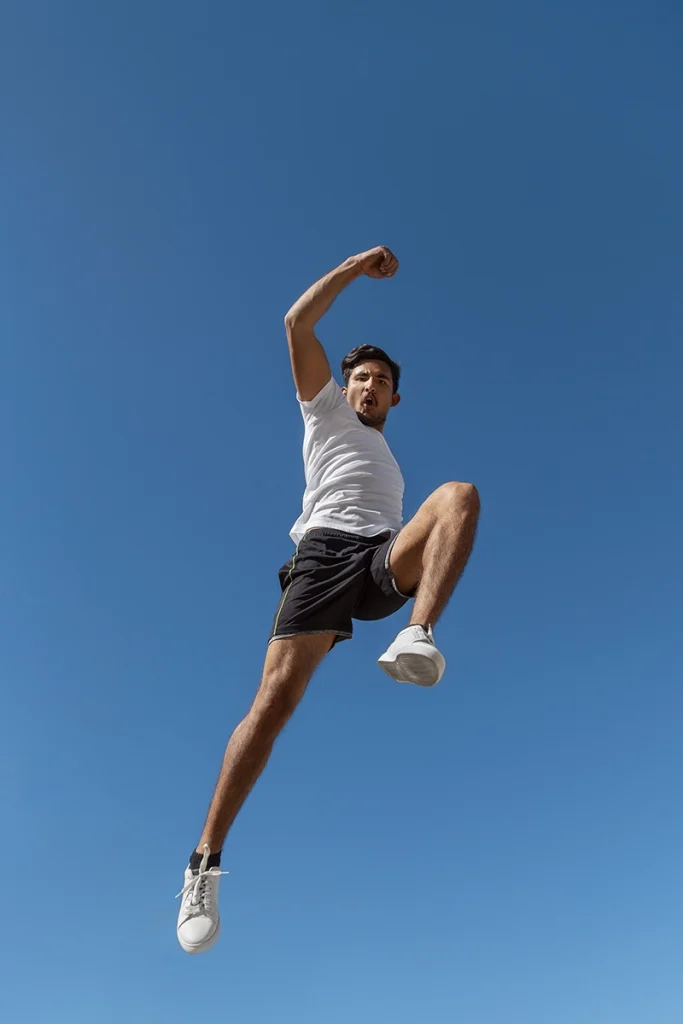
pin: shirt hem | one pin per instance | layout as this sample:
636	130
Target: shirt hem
370	530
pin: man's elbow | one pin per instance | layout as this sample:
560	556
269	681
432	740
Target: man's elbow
295	323
290	321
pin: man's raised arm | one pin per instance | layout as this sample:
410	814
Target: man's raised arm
309	363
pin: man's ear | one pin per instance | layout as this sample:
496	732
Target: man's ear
395	399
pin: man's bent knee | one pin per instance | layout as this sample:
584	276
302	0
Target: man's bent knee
459	495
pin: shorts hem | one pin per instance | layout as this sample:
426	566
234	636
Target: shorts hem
392	578
311	632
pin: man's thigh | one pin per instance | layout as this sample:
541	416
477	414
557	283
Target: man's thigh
405	558
298	653
407	552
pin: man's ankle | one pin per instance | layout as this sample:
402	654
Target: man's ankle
196	858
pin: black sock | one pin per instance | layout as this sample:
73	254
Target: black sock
214	860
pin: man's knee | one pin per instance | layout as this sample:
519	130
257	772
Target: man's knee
460	497
276	700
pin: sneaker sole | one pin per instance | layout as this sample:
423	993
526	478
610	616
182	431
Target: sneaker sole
413	668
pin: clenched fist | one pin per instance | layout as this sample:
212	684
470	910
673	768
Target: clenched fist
378	262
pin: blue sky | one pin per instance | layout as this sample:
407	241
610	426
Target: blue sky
507	848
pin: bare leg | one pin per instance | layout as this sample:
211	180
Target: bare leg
289	665
432	550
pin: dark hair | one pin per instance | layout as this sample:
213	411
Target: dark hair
361	354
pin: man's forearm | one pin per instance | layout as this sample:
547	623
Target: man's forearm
315	302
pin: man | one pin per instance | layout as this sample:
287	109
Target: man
353	559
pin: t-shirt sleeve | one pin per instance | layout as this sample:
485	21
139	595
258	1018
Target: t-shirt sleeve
329	398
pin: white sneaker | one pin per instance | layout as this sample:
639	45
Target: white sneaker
414	658
198	920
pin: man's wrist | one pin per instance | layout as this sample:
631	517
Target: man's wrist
352	266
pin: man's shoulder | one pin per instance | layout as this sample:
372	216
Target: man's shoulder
329	399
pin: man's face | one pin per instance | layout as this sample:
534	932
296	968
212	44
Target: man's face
370	392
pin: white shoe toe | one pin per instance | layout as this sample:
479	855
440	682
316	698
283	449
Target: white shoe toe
197	934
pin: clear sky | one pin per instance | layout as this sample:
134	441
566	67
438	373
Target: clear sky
504	849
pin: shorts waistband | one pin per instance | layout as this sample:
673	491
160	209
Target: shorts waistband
359	537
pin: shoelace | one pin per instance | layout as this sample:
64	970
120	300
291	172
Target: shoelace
198	882
420	634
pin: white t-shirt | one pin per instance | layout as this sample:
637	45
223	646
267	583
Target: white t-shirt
353	482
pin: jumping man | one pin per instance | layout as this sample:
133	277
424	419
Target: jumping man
354	559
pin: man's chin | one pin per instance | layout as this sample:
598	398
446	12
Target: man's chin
371	421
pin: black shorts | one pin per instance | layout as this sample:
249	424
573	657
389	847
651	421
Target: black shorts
332	578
